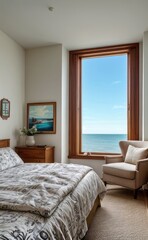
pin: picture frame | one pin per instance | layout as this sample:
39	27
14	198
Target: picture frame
42	115
5	108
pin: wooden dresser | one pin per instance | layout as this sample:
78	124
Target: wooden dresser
36	154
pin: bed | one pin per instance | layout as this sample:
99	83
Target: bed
45	201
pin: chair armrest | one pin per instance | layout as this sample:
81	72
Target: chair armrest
113	158
142	165
142	172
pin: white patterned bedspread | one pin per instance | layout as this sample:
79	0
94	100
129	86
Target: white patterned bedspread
47	201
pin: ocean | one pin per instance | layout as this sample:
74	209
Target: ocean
42	124
102	142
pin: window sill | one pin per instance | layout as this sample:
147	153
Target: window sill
92	156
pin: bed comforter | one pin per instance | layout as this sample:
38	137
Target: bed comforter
47	201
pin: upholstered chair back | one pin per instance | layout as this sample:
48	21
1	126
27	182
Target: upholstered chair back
124	145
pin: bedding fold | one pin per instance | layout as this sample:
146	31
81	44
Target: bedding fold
39	188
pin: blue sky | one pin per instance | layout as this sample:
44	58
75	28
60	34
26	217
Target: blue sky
104	95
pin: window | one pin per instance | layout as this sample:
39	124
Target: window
123	96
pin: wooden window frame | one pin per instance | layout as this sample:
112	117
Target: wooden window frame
75	59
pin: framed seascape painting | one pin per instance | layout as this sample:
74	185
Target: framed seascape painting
42	116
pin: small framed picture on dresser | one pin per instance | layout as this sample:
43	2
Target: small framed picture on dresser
42	116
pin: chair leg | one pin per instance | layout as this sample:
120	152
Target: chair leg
135	193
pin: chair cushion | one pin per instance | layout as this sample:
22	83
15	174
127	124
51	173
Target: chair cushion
134	154
122	169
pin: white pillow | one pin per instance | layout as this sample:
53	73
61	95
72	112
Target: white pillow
9	158
134	154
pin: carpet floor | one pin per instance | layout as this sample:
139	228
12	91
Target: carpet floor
121	217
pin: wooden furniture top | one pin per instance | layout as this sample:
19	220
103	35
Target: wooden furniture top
4	143
35	147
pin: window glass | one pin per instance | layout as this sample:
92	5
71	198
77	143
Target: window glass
104	103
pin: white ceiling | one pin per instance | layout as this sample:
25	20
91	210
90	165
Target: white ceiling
74	23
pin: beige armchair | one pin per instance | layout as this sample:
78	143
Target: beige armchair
130	169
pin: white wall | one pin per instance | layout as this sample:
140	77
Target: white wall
145	86
65	105
140	90
12	82
95	164
44	84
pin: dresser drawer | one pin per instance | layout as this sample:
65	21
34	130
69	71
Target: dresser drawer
32	153
34	160
36	154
